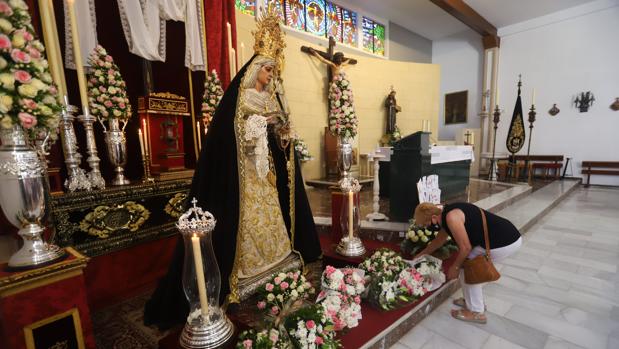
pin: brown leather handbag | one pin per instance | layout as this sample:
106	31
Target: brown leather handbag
480	269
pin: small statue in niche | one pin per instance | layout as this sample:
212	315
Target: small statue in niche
392	133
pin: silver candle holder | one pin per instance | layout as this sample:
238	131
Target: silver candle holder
350	245
94	176
77	179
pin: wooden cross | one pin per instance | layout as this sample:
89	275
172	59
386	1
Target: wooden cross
328	55
467	135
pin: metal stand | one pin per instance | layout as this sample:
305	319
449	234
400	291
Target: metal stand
493	164
208	334
77	179
376	215
350	247
96	180
146	163
531	121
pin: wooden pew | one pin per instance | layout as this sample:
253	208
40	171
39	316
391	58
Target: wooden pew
543	162
599	168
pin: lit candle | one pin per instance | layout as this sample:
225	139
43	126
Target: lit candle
141	142
350	215
199	135
77	54
197	258
533	97
146	134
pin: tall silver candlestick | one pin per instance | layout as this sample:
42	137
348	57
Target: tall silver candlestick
376	215
77	179
93	160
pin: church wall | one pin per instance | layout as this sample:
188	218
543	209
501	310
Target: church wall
461	59
561	55
305	82
404	45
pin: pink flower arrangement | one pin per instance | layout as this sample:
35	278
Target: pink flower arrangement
107	93
213	92
284	290
29	100
342	118
340	296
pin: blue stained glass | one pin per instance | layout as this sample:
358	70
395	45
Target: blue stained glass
295	14
278	6
368	34
349	27
315	17
334	21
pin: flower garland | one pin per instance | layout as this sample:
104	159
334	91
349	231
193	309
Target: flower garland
107	94
212	95
28	97
342	118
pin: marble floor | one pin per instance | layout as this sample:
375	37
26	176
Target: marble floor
561	290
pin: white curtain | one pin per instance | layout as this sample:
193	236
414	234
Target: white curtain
87	29
144	26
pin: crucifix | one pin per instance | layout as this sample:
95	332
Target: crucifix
467	137
335	61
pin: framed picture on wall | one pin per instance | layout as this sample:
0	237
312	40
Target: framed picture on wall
455	107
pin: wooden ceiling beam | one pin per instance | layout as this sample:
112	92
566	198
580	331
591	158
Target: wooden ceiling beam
467	15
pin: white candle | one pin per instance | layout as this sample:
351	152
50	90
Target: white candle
472	139
146	134
197	258
533	97
429	126
77	54
231	53
497	97
141	141
199	135
232	63
242	53
55	67
350	215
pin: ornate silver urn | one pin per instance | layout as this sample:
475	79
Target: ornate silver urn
344	156
22	197
117	149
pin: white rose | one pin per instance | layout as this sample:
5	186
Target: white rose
270	297
280	297
27	90
5	25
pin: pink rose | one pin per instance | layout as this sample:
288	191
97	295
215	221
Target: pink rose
358	300
102	89
5	42
29	103
22	76
108	104
269	287
20	56
110	72
262	305
284	285
27	120
310	324
319	340
108	58
247	344
329	270
274	310
27	35
277	280
5	8
34	53
121	105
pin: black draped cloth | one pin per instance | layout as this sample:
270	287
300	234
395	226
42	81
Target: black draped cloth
216	187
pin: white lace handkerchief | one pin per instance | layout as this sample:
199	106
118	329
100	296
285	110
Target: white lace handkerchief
256	129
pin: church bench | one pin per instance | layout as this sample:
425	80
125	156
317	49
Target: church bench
545	163
599	168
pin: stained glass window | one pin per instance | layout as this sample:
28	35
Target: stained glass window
349	27
246	6
315	17
295	14
379	39
278	6
367	27
334	21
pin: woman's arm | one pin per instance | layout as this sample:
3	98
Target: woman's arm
435	244
455	221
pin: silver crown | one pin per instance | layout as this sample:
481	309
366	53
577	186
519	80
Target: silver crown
350	184
195	220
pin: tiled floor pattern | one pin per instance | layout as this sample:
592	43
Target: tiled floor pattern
561	290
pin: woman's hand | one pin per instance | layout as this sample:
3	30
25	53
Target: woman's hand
453	272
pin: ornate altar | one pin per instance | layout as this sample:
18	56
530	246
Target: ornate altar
162	115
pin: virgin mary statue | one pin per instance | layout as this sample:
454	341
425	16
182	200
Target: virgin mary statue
249	178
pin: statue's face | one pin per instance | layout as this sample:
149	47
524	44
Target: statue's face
265	75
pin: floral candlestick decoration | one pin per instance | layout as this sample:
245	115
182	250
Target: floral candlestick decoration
350	245
207	325
108	101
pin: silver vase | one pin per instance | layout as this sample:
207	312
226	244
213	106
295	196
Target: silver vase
117	150
344	157
22	197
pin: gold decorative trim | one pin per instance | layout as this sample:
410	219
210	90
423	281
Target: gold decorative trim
159	112
29	279
105	220
167	105
77	323
174	207
167	95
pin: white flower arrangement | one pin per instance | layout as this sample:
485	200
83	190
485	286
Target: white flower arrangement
340	296
213	92
418	237
302	150
107	94
282	291
342	118
28	98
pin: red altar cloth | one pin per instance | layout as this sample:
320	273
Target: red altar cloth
29	299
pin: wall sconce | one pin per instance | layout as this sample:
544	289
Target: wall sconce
615	105
584	101
554	110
